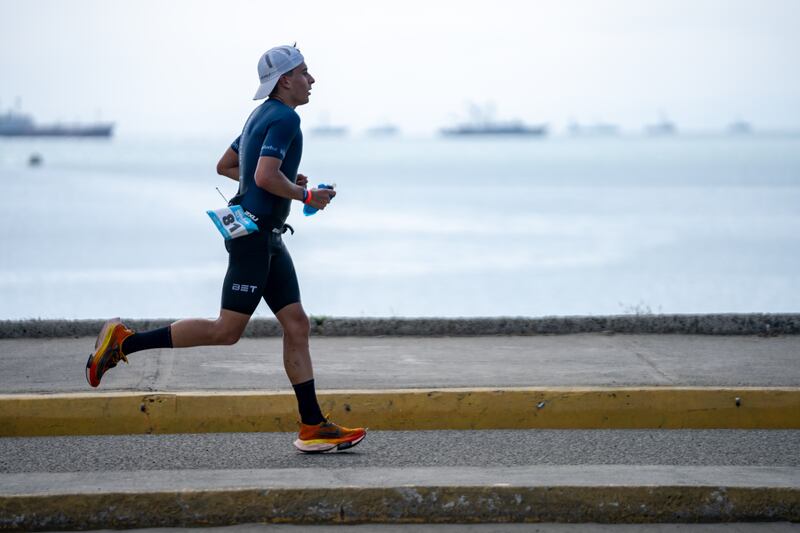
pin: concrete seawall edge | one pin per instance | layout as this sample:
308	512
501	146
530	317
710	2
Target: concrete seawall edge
766	324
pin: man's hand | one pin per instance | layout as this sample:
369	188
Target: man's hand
302	180
321	197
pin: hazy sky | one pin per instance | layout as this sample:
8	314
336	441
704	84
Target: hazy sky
189	67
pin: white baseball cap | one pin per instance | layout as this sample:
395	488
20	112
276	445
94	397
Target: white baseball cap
273	64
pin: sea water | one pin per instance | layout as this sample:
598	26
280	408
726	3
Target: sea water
419	227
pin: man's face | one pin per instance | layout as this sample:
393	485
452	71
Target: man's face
301	82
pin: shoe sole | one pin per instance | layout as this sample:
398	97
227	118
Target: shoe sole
100	346
323	447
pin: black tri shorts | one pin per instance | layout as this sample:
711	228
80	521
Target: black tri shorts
259	266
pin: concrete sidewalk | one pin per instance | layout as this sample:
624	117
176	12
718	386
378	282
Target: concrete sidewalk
51	365
602	493
582	381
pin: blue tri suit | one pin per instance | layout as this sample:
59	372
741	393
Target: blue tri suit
273	130
259	265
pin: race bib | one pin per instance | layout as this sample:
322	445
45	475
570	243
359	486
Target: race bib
232	222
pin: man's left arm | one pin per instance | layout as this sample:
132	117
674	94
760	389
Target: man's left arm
228	165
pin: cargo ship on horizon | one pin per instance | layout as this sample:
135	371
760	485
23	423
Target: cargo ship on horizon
16	124
495	128
482	123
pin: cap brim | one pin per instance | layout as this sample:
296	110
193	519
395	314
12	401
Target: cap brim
265	88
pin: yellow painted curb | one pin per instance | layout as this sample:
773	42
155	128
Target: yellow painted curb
404	409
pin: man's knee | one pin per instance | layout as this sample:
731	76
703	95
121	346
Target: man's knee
227	338
227	332
296	325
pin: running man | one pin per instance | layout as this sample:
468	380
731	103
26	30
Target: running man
264	159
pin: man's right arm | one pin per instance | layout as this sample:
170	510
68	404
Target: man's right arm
270	178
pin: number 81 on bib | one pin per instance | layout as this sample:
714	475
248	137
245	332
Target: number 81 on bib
232	222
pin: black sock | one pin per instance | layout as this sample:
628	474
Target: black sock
307	403
156	338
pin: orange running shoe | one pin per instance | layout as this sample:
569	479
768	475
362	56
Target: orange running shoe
326	436
107	350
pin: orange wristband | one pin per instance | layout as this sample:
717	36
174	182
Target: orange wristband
308	197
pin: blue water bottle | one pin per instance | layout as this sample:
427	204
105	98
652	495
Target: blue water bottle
307	209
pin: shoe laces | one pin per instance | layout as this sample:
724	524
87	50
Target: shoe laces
115	357
118	355
326	421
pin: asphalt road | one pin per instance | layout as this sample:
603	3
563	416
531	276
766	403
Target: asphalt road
397	449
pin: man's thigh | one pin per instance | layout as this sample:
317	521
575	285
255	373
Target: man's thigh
248	271
282	287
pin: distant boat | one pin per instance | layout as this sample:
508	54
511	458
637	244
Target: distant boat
740	127
495	128
599	129
662	128
330	131
15	124
384	130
